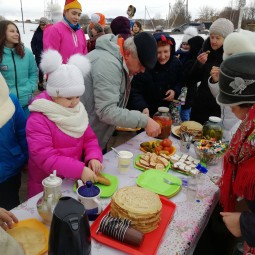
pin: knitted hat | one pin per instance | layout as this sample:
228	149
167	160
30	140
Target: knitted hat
43	20
121	26
7	107
98	18
159	28
189	32
72	4
237	80
64	80
240	42
221	27
161	36
146	49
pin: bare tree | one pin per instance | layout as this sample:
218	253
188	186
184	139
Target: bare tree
207	13
178	14
2	17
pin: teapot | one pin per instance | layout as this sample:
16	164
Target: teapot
89	196
51	195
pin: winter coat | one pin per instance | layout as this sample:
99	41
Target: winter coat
21	74
148	89
107	91
196	44
8	245
13	145
247	224
51	149
204	103
37	43
182	55
65	40
229	120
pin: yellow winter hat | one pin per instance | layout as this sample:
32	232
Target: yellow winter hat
72	4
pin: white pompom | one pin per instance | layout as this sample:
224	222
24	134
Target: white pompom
51	60
81	62
191	31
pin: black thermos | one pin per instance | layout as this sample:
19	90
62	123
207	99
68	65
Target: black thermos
69	230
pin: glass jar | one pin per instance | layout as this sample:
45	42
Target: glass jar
163	117
213	129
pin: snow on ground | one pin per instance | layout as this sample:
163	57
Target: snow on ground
30	28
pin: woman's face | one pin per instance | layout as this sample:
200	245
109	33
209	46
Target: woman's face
73	15
68	102
164	54
240	112
136	29
12	36
216	41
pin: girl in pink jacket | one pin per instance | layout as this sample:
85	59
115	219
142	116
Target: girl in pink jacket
58	133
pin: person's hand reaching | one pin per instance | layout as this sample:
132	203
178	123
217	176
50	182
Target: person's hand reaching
95	165
7	219
88	175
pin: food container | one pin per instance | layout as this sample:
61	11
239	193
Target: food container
163	118
213	129
210	152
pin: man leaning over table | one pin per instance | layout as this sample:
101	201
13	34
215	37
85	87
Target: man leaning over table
8	245
114	62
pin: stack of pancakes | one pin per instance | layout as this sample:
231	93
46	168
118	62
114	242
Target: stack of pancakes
139	205
192	127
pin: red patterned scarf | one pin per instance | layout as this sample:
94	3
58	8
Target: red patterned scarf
238	180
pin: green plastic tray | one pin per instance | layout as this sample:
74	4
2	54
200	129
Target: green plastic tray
153	180
106	191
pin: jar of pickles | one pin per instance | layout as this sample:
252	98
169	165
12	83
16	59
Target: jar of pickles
213	129
163	118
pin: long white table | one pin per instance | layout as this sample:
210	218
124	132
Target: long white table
190	218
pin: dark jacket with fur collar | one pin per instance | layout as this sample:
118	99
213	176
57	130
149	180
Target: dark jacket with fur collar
204	103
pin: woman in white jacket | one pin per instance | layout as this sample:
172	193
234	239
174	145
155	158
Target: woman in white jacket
243	41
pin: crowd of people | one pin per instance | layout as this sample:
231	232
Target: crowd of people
119	77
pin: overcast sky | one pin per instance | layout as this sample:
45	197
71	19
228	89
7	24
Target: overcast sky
34	9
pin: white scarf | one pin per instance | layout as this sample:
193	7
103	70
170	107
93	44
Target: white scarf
71	121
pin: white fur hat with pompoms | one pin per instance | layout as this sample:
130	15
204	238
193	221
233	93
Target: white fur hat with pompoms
64	80
239	42
189	32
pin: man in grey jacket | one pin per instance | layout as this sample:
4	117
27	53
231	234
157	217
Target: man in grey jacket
114	62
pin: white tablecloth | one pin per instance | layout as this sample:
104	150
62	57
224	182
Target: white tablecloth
189	220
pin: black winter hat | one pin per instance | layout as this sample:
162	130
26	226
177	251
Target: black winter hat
146	49
195	44
237	80
121	26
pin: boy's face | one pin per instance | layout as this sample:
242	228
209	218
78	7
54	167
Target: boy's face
68	102
73	15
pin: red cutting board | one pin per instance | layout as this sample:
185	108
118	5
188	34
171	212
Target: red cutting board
151	240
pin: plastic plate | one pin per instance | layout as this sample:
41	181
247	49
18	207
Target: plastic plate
153	180
36	225
106	191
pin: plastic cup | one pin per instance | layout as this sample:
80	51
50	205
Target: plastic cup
184	146
124	161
